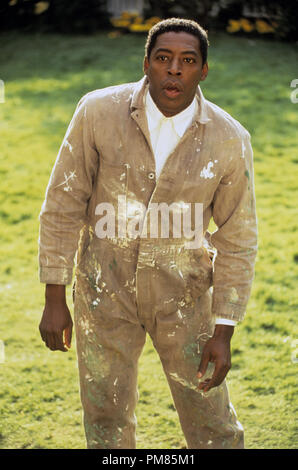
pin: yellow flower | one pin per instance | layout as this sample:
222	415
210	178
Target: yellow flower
118	23
246	25
128	15
40	7
138	20
234	26
134	22
263	27
125	15
12	3
153	20
139	28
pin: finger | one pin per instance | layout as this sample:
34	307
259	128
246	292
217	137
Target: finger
59	344
46	336
203	364
68	335
217	378
43	337
203	384
50	341
53	342
42	334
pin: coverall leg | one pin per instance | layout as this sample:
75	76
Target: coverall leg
207	420
180	323
110	339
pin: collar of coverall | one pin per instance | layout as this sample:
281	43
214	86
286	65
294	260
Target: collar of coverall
137	101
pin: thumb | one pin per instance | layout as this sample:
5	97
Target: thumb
68	335
203	364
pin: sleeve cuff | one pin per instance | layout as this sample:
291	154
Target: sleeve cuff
62	276
228	310
225	321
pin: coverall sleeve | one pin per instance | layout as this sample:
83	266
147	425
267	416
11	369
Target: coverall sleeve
235	239
64	210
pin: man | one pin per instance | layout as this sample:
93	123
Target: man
154	143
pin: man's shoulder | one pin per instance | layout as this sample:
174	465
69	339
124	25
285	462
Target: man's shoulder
116	94
225	125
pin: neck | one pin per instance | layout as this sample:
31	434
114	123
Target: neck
170	112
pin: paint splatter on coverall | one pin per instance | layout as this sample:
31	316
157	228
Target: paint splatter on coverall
126	287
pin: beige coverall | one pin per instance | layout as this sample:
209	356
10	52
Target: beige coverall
126	287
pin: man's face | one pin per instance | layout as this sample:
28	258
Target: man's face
174	71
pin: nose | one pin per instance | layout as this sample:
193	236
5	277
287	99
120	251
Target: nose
174	67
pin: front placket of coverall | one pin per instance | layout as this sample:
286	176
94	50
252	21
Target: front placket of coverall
146	263
143	294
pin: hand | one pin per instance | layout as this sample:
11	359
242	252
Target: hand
56	323
217	350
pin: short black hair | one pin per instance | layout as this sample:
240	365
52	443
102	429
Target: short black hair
178	25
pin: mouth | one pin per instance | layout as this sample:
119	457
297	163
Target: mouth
172	89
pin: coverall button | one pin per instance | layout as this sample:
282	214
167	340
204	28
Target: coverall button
151	176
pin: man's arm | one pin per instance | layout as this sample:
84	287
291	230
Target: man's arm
235	239
236	243
64	211
63	214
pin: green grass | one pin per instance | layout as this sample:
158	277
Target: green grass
44	77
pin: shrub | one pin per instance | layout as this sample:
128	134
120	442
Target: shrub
54	15
87	16
277	17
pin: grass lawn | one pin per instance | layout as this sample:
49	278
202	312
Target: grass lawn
44	78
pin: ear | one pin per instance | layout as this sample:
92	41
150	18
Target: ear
145	65
204	73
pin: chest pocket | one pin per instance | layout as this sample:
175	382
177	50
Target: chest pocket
113	179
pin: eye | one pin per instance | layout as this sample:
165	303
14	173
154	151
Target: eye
189	60
162	58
